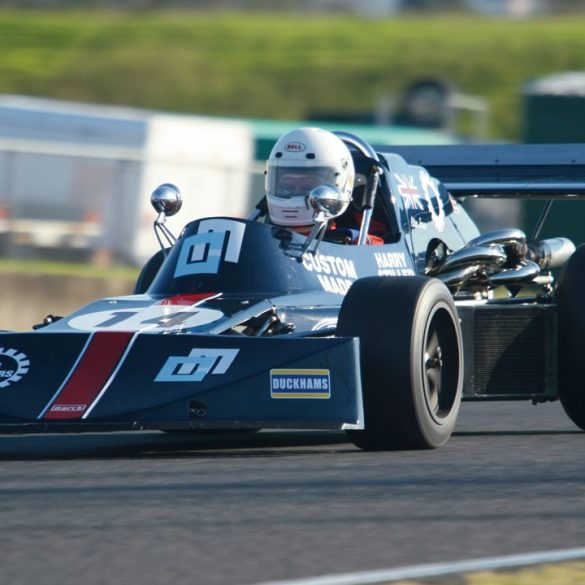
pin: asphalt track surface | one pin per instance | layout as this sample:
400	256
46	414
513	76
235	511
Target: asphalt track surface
142	508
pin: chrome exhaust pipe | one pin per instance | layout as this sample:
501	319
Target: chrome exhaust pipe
550	253
491	257
511	239
459	276
521	274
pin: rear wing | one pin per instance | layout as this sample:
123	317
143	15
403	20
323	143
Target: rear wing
528	171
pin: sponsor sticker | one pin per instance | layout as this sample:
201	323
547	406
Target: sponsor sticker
216	240
200	254
392	264
300	384
68	408
13	366
295	147
92	374
335	274
195	366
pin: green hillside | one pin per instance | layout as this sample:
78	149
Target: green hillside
282	66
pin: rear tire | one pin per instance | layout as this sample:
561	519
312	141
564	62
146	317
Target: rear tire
411	360
570	296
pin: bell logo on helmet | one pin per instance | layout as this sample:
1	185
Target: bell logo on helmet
295	147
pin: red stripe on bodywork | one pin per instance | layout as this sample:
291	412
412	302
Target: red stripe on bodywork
91	374
188	299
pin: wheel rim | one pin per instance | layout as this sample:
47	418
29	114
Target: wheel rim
440	364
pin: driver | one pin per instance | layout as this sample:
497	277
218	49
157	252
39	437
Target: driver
300	161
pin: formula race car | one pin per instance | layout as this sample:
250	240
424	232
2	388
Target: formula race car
240	324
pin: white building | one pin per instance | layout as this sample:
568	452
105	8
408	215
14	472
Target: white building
79	176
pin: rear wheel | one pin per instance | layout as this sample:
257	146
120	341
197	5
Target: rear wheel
571	341
411	360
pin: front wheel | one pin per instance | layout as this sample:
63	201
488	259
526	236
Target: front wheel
411	360
149	272
571	341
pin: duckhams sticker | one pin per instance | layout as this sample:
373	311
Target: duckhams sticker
13	366
300	384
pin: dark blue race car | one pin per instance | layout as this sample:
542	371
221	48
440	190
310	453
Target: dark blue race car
240	324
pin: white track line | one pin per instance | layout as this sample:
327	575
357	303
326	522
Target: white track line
436	569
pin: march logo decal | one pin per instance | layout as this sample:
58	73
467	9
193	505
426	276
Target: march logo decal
90	377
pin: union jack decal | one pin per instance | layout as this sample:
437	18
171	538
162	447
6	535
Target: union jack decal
408	191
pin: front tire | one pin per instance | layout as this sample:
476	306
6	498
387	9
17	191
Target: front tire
570	297
411	359
149	272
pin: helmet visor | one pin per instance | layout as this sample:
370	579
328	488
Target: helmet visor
287	182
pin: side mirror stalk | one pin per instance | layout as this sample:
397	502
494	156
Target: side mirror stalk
315	235
166	200
328	202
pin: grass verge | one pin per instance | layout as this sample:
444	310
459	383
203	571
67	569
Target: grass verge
275	65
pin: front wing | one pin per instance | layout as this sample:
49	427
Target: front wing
128	380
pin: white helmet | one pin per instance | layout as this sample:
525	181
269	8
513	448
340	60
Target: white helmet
300	161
